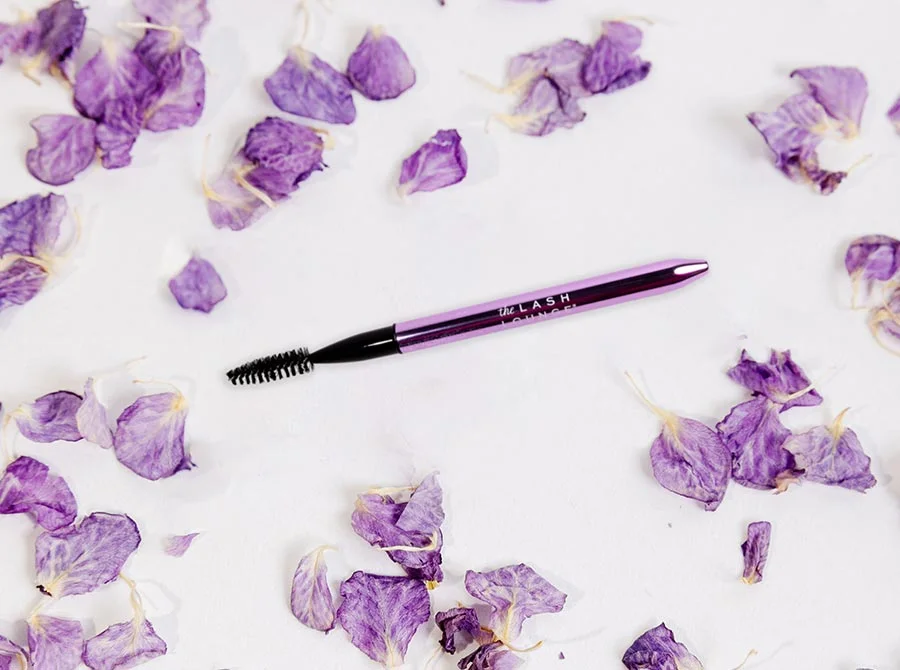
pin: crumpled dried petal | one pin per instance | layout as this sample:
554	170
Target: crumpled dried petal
884	322
311	599
780	380
379	68
561	61
123	645
872	258
18	38
657	650
118	131
229	203
612	64
80	559
491	656
756	439
27	487
381	614
893	113
457	624
189	16
833	455
544	108
177	545
65	147
149	437
842	91
61	31
50	418
198	286
514	593
115	72
756	551
440	162
30	227
284	154
307	86
20	280
9	652
155	45
91	418
178	98
54	643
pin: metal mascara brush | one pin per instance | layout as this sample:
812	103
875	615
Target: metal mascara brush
489	317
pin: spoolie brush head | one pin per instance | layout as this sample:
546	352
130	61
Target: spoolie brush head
270	368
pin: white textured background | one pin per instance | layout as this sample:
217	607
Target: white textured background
542	448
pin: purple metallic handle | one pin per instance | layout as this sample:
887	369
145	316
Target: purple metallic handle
548	303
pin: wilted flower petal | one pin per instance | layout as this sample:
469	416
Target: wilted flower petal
198	286
884	321
27	487
381	614
65	147
311	599
9	652
75	560
91	418
20	280
544	108
873	258
440	162
123	646
514	593
178	98
30	227
894	114
756	550
491	656
18	38
379	68
61	31
284	154
113	73
842	91
149	437
459	623
189	16
118	131
177	545
612	64
780	380
50	418
307	86
657	650
54	644
833	455
561	61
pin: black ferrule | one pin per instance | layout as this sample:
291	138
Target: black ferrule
362	347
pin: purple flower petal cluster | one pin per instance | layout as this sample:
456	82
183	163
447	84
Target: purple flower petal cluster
873	262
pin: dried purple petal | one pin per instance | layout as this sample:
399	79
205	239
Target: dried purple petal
893	113
198	286
842	91
123	646
833	455
178	98
756	551
61	31
177	545
657	650
379	68
118	131
9	652
873	258
54	644
155	45
189	16
884	321
491	656
76	560
50	418
307	86
18	38
91	418
231	201
514	593
561	61
115	72
440	162
311	599
780	380
30	227
381	614
149	437
459	623
612	64
20	280
65	147
27	487
284	154
544	108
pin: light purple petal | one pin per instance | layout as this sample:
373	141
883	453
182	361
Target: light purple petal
657	650
178	98
779	380
115	72
18	38
459	624
155	45
229	203
177	545
123	646
440	162
307	86
833	455
118	131
873	258
20	281
27	487
54	644
30	227
311	599
561	61
894	114
379	68
198	286
884	322
9	652
91	419
544	108
756	551
65	147
50	418
149	437
190	16
842	91
381	614
612	64
514	593
61	31
80	559
491	656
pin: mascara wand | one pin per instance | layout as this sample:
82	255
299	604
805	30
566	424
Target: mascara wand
489	317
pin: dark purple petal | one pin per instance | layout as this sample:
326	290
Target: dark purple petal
833	455
561	61
123	646
61	31
612	64
54	644
284	153
91	418
198	286
873	258
65	147
80	559
491	656
177	545
381	614
457	624
118	131
842	91
30	227
155	45
657	650
20	281
756	550
379	68
307	86
440	162
50	418
544	108
514	593
9	652
149	437
894	114
780	380
115	72
311	599
756	437
27	487
178	98
189	16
